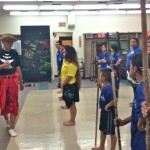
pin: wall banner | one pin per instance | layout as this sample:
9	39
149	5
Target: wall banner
35	58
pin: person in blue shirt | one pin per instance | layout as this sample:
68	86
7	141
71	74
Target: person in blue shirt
59	56
103	58
115	57
107	114
138	141
135	49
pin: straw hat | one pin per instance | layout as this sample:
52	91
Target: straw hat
7	37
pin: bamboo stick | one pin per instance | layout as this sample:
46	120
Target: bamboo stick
97	106
116	109
145	66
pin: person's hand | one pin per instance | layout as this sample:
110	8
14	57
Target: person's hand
21	86
5	65
62	86
107	107
99	85
145	109
118	122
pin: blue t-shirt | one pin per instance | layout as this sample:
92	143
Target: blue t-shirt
137	137
106	96
106	57
128	58
59	60
115	58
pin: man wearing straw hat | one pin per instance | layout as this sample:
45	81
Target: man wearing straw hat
10	75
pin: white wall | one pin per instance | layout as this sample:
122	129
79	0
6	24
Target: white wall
84	24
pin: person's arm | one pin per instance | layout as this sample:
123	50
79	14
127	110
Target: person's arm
104	61
118	62
141	124
111	103
118	58
145	109
4	65
100	61
120	122
20	78
68	79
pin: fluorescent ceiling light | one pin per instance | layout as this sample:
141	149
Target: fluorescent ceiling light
124	6
90	7
57	0
55	13
55	7
29	13
134	12
147	5
113	12
84	12
20	7
148	11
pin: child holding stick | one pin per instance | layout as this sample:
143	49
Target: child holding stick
138	141
107	126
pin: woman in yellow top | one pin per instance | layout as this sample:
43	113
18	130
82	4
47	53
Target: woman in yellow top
70	82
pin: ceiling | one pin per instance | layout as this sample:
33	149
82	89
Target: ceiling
74	3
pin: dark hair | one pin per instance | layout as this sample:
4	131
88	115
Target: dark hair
116	68
115	48
136	60
103	44
107	74
136	39
59	42
71	57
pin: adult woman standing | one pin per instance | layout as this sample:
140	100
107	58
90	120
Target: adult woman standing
10	73
135	49
70	82
115	57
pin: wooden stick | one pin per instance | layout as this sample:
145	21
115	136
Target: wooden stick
97	106
145	64
115	106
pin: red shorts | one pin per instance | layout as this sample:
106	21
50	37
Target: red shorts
9	94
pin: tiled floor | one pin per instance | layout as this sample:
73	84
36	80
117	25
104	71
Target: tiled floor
40	126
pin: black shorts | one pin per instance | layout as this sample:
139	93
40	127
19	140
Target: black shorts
107	122
70	94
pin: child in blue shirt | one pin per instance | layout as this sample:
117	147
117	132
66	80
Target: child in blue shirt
138	141
107	116
103	57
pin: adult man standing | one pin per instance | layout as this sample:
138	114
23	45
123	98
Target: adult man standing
10	75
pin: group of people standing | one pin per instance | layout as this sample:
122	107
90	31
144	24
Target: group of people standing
139	108
70	83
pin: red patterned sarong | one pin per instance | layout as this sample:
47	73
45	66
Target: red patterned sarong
9	94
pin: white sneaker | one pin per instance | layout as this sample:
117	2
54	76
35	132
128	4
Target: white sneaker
7	123
12	133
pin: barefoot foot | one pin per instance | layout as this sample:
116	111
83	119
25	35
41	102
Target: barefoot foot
98	148
69	123
64	107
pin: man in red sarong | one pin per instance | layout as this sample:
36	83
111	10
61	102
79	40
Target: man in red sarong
10	75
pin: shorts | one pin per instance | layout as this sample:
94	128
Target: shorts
107	122
70	94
